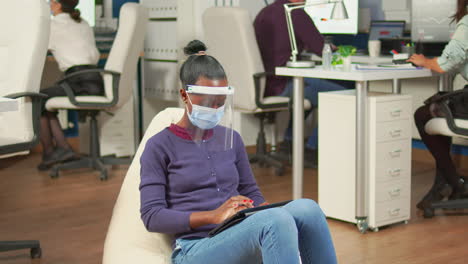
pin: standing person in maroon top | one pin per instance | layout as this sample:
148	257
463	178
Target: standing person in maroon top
272	35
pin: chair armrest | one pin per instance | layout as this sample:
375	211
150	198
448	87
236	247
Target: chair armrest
257	77
71	96
444	97
26	94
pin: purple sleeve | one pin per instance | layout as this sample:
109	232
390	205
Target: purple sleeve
153	209
247	184
306	32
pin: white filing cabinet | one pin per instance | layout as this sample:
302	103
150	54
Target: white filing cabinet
388	156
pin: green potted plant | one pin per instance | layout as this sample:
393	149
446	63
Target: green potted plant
344	57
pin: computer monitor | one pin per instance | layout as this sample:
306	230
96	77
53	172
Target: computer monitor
88	11
385	29
320	14
431	20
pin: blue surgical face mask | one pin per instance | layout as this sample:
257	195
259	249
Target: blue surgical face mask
205	117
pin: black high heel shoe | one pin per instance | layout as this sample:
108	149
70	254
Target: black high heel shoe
460	191
439	190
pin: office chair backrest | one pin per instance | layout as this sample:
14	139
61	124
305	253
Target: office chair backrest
230	37
126	49
24	37
127	239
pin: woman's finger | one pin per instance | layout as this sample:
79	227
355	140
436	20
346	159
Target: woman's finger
243	200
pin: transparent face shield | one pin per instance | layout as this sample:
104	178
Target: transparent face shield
209	109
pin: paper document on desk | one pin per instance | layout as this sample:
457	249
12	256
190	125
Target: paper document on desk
387	66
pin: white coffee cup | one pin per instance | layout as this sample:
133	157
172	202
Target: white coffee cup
374	48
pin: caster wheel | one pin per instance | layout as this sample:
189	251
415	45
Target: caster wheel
405	222
103	176
36	252
362	226
53	174
279	171
376	229
428	212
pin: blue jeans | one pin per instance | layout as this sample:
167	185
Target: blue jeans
312	87
277	235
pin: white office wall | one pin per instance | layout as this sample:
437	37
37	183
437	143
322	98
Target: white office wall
375	6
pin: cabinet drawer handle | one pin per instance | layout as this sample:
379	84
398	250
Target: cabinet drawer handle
394	212
396	113
395	192
396	153
394	173
395	133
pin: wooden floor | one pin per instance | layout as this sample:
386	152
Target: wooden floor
70	216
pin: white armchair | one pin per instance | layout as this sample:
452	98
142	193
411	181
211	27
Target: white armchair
127	239
230	36
118	73
23	49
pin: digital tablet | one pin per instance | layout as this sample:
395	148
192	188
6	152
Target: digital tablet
241	215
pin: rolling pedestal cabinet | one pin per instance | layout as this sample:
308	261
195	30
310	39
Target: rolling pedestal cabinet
388	156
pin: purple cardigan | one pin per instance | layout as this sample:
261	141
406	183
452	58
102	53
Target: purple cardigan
179	177
272	36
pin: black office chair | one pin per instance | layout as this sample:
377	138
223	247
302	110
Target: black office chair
11	145
453	127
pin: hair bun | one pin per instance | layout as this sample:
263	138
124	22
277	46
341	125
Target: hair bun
194	47
76	15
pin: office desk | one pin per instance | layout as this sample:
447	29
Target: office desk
359	58
361	78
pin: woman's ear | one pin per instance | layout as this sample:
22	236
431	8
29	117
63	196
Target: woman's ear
183	95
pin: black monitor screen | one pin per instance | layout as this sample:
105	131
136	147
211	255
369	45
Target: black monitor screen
386	29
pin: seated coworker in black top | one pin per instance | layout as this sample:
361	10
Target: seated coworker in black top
73	46
453	59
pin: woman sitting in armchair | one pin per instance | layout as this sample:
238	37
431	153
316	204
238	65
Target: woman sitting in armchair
195	174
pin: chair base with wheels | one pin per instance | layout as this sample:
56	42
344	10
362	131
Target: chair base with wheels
448	204
451	204
34	245
93	160
262	157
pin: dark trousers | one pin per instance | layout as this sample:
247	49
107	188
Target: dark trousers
438	145
83	84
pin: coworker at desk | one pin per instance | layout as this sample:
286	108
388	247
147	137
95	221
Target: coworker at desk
195	174
72	43
453	59
273	41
